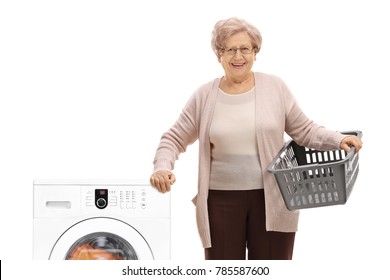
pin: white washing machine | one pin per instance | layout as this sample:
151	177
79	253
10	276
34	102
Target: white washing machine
100	220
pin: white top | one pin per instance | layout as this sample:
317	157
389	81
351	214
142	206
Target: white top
235	162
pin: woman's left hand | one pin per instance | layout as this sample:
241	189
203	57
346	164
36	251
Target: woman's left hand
351	140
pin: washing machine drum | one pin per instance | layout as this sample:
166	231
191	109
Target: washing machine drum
101	239
101	246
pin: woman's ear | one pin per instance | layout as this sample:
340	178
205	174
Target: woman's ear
256	54
219	55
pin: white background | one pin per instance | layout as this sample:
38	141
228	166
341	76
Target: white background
88	87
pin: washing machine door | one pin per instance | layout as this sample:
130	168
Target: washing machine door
101	239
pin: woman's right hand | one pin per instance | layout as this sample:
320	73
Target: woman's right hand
162	180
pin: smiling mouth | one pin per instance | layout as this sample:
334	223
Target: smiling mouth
238	65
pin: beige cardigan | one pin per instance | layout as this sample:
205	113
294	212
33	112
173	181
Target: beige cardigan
276	112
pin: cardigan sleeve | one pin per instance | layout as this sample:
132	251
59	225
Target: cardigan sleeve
175	141
304	131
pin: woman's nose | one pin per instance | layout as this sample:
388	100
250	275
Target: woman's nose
238	54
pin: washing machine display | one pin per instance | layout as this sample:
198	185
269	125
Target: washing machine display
100	221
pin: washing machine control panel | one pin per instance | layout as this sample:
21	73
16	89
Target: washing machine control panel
118	198
99	199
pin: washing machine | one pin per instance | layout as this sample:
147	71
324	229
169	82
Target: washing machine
85	220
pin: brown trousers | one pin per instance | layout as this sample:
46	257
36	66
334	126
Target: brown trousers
237	226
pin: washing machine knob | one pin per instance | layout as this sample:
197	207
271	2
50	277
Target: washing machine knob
101	203
101	198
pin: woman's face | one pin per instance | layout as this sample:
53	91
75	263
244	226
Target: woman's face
238	66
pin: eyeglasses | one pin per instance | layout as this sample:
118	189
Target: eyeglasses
233	51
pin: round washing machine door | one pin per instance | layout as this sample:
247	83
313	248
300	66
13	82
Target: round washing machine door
101	239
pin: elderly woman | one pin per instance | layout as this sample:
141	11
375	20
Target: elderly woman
239	120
